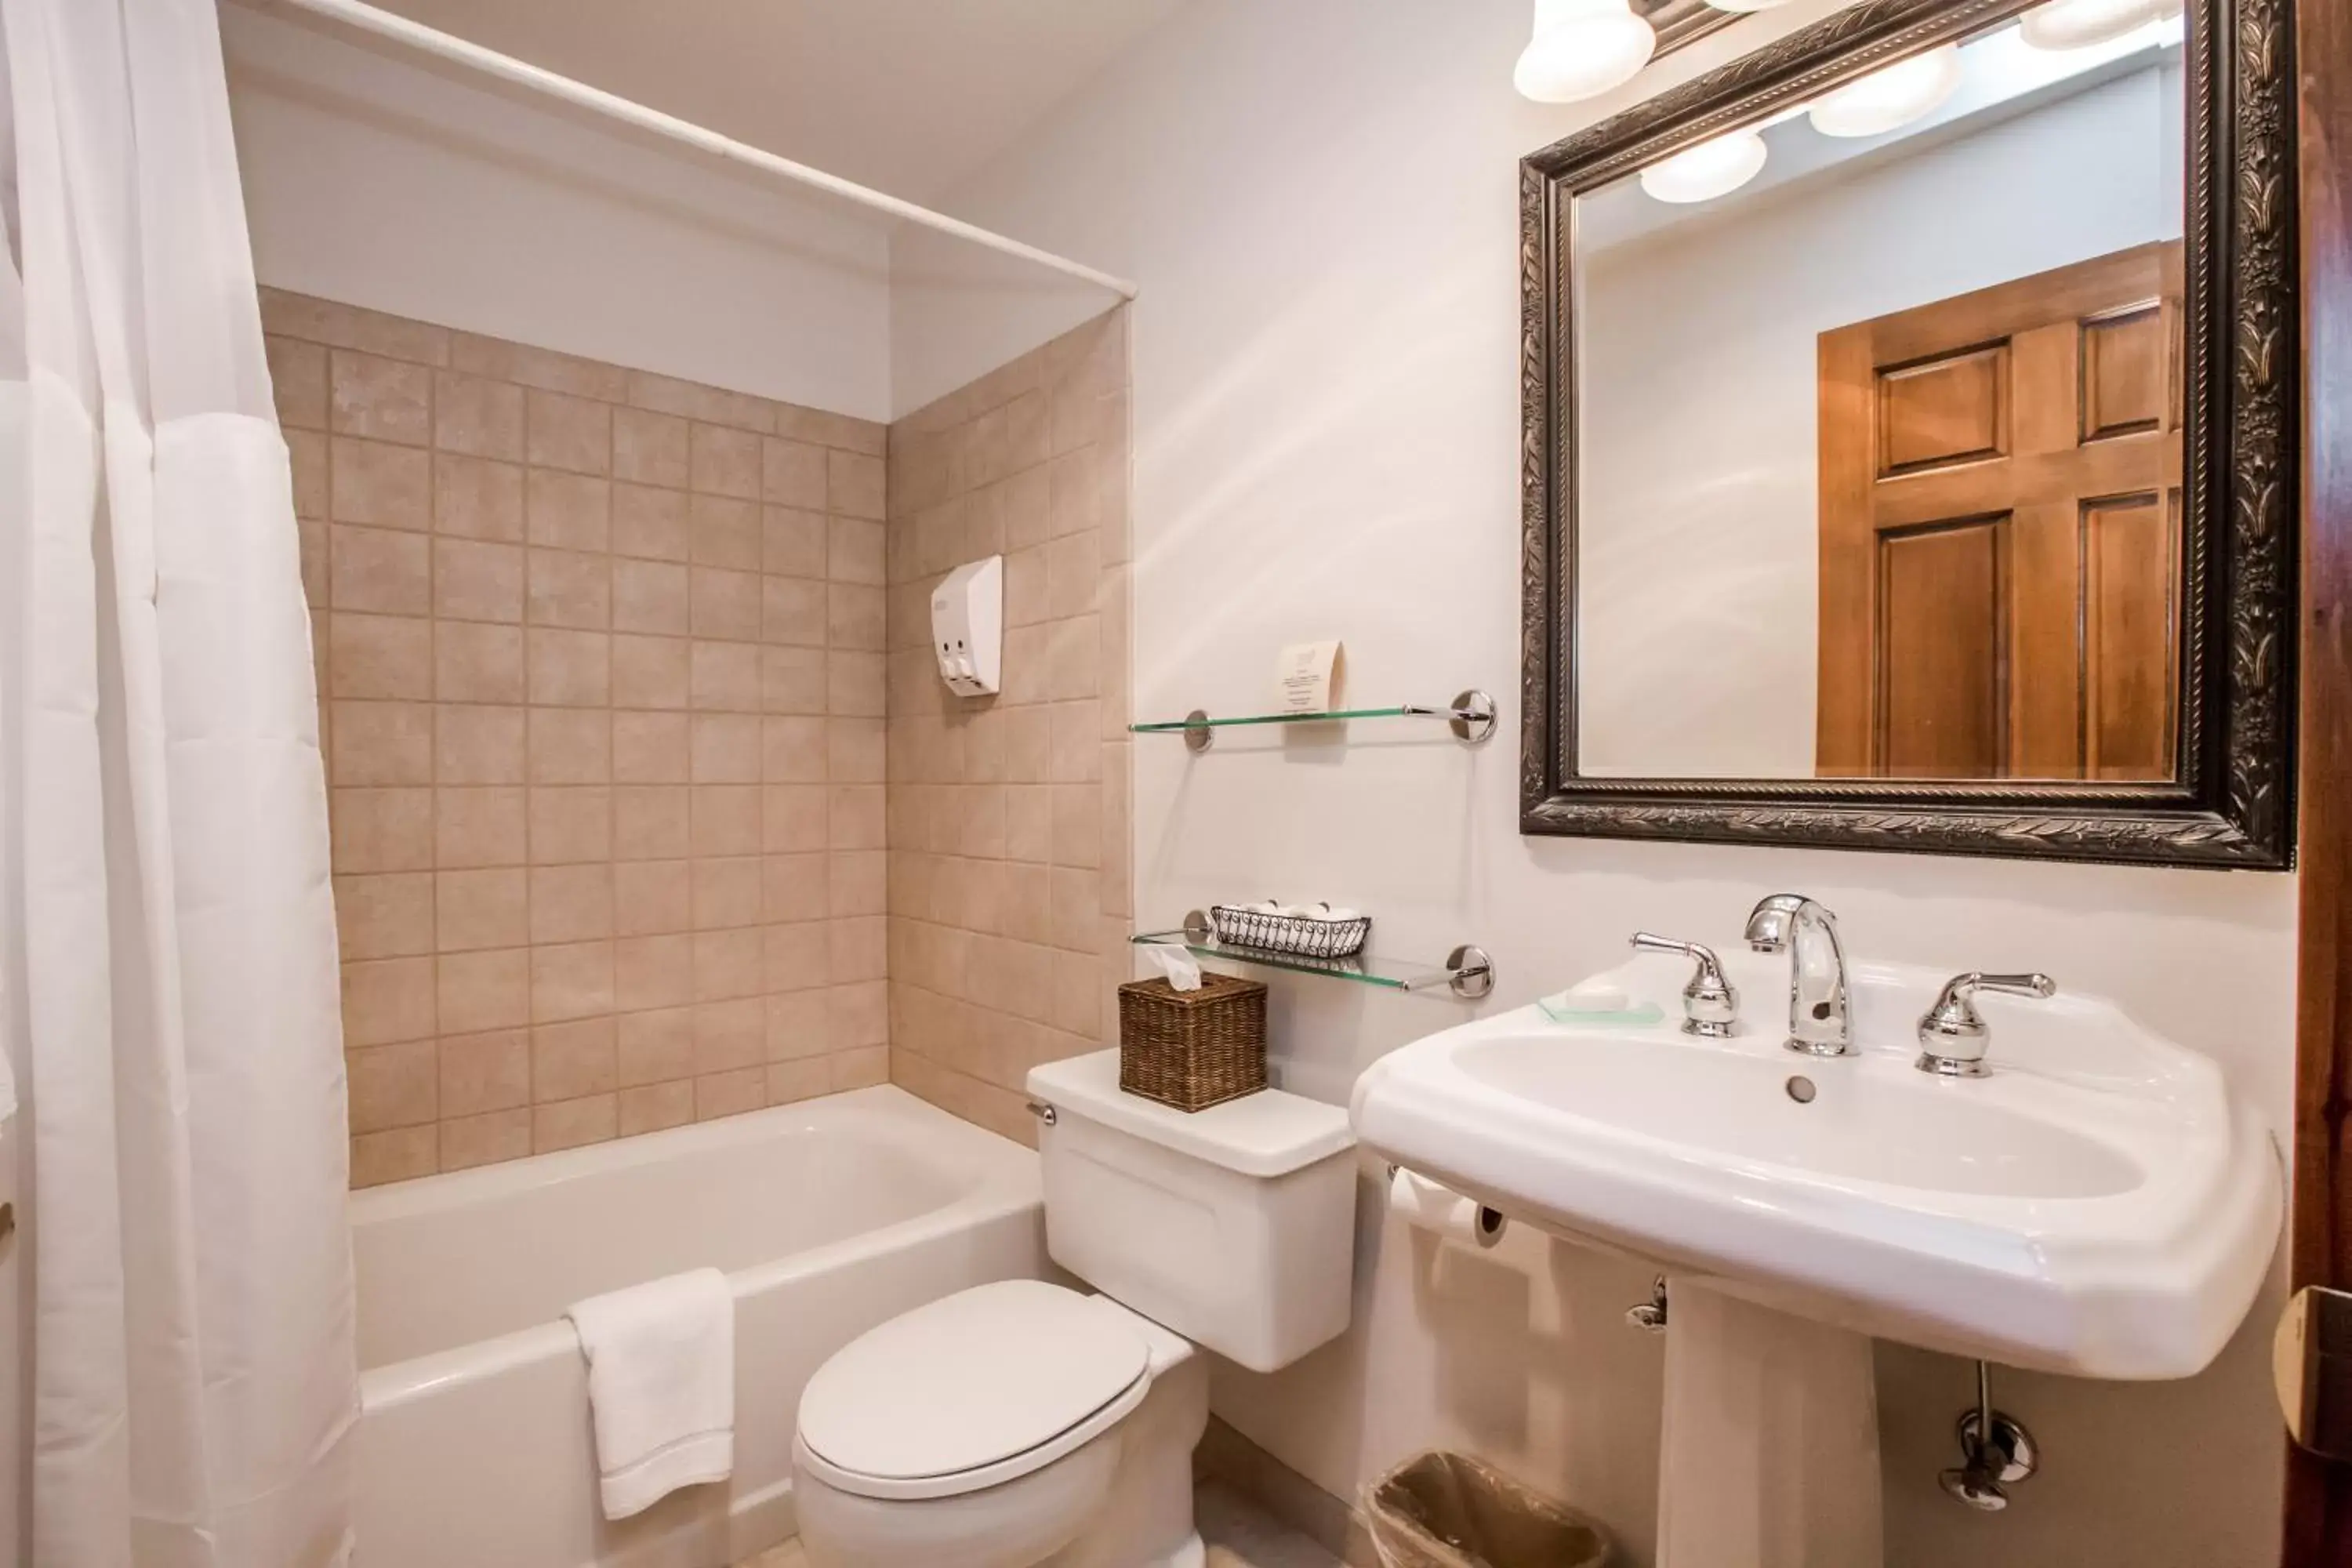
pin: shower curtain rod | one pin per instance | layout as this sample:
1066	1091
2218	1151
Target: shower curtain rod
521	73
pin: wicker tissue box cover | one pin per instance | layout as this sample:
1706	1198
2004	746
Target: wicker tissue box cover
1192	1049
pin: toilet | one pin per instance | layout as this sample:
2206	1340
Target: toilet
1026	1425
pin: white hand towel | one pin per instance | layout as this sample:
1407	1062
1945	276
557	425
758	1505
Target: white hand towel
661	1385
1768	1455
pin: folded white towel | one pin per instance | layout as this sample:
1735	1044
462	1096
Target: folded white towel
661	1385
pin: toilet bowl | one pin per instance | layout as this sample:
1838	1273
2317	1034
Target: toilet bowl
1025	1425
1010	1426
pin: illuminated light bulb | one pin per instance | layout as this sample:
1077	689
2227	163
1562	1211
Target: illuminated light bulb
1889	98
1582	49
1712	169
2079	24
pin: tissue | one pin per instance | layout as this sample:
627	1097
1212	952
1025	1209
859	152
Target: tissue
1184	971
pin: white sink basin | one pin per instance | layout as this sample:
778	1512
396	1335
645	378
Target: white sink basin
2097	1206
1866	1126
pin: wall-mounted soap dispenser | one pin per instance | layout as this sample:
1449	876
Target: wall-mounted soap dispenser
968	628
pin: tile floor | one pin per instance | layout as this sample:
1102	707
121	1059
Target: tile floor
1239	1534
1242	1535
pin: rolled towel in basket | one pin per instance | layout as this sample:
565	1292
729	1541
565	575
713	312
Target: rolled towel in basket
1314	930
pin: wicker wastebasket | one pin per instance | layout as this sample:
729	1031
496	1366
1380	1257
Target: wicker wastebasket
1192	1049
1449	1510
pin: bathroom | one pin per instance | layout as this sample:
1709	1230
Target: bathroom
679	916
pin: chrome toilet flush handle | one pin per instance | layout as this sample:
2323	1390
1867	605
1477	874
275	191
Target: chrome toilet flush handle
1954	1036
1710	1004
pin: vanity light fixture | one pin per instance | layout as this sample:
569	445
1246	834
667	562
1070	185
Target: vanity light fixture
1582	49
2081	23
1889	98
1713	168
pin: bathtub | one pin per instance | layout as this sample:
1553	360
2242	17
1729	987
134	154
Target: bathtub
828	1216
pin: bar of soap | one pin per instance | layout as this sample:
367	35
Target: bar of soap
1637	1018
1595	996
1599	1004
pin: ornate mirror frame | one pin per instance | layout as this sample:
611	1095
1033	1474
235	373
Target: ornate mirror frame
2230	802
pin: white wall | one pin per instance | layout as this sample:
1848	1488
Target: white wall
376	181
957	311
1700	553
1319	201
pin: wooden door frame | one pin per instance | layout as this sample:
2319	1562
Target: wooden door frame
2318	1512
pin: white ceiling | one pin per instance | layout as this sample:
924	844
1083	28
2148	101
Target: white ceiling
908	96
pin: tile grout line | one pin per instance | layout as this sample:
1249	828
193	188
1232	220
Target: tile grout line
432	738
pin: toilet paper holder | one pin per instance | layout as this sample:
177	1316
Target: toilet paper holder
1491	1221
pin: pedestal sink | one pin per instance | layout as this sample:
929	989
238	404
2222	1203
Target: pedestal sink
2097	1205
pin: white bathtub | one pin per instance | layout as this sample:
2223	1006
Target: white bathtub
828	1216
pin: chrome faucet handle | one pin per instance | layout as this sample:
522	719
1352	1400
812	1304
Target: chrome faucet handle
1953	1035
1710	1004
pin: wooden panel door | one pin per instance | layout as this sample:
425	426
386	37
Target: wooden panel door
1999	530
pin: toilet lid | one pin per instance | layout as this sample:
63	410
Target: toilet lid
969	1383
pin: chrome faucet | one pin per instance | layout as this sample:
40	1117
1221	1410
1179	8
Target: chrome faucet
1819	1024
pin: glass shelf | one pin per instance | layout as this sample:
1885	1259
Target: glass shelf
1471	717
1467	971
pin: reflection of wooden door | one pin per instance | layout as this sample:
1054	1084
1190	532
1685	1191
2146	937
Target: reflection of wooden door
1999	530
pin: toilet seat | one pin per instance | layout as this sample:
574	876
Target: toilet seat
971	1391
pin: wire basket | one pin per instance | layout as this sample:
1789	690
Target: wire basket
1304	934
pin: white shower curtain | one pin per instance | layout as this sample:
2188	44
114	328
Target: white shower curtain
167	948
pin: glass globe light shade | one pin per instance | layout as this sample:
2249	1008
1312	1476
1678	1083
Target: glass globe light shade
1888	98
1582	49
1713	168
2079	24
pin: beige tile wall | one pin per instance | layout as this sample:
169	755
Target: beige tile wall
1009	859
602	658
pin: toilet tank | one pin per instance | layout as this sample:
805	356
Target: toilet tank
1235	1225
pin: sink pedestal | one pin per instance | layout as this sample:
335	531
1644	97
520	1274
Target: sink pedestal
1768	1451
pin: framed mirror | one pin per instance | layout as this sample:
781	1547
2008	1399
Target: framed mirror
1909	441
